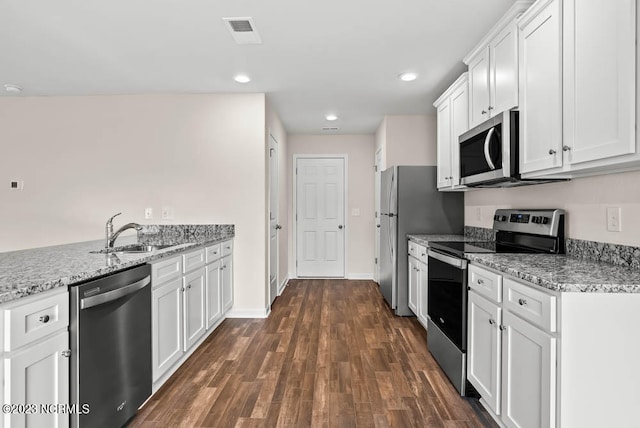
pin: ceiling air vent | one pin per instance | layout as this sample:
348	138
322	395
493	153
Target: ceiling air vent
243	31
329	128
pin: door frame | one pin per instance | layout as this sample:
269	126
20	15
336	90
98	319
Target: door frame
294	205
273	210
377	185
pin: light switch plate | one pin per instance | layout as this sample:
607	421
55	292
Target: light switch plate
614	219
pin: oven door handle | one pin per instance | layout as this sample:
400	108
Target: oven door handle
453	261
487	155
110	296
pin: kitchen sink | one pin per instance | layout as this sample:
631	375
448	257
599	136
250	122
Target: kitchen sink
133	248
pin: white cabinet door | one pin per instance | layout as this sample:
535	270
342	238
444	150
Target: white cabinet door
214	293
37	375
444	144
414	273
227	283
479	96
166	326
540	64
529	375
599	78
484	349
459	125
503	74
423	293
194	307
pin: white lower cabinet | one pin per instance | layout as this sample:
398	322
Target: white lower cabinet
35	359
194	307
188	303
227	283
418	281
166	326
484	349
529	375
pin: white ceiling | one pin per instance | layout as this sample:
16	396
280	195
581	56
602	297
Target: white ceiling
340	56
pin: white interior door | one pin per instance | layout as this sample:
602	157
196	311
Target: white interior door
320	228
273	219
378	167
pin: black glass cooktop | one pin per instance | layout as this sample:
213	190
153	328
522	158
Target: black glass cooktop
458	248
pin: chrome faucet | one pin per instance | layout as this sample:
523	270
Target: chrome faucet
111	235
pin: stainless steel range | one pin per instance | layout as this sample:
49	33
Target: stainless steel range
517	231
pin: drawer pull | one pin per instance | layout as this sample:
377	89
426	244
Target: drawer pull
424	254
522	302
189	287
66	353
502	328
44	319
480	281
492	321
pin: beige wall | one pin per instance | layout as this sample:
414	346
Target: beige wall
83	159
275	127
585	199
407	140
360	150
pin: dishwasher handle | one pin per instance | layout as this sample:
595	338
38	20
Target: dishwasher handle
453	261
110	296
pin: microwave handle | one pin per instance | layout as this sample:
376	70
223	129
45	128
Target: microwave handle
487	155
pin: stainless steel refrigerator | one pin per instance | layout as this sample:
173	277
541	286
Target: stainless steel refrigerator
411	203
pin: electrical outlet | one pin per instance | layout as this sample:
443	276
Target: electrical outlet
148	213
614	219
167	213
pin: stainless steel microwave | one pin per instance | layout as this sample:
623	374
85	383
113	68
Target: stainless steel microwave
489	152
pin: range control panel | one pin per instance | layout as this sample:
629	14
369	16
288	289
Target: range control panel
538	221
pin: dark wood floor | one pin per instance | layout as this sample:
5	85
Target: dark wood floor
331	354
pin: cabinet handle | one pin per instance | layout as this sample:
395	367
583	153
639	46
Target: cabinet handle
424	254
566	148
229	247
522	302
502	328
552	152
66	353
490	108
483	112
189	287
224	267
44	319
480	281
492	321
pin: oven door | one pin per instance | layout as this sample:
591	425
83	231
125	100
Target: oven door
447	302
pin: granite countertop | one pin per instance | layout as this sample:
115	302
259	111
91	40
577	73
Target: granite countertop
563	273
27	272
424	239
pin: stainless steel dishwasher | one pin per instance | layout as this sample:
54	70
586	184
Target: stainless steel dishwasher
111	347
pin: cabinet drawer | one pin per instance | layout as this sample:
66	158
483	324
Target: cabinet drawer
531	304
486	283
35	319
214	252
412	249
227	248
193	260
166	270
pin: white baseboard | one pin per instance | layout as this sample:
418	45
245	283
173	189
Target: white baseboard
360	276
247	313
282	286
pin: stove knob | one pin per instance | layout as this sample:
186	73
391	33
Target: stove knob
535	219
503	218
495	218
545	220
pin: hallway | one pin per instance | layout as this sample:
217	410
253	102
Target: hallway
330	354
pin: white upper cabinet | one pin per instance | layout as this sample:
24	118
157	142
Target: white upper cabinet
540	87
493	69
578	88
599	79
453	120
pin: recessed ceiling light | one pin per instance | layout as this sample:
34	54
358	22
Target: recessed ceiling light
13	89
242	78
331	117
408	77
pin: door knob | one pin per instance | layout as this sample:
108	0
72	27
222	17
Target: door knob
340	226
